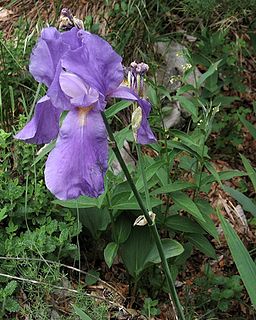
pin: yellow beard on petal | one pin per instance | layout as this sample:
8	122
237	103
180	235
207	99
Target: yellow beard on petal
82	115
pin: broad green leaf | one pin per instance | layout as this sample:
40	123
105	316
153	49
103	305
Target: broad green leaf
115	108
186	138
150	171
183	224
185	88
191	150
224	175
95	220
248	125
121	229
172	248
110	253
245	202
203	244
213	171
208	73
92	277
81	202
250	170
188	105
224	100
244	263
152	95
44	151
173	187
140	251
124	202
187	204
81	313
206	210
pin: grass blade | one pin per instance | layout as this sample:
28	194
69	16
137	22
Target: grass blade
242	259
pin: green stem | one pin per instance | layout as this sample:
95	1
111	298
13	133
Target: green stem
151	223
144	178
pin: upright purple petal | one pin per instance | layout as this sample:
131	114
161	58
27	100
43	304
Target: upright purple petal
46	55
96	63
144	134
50	47
80	94
44	126
78	163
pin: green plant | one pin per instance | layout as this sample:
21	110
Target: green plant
215	294
149	308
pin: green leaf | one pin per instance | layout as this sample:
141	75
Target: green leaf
208	73
246	202
10	288
203	244
206	210
44	151
80	313
250	170
187	204
224	175
183	224
115	108
121	229
244	263
224	100
3	214
191	150
92	277
150	172
140	251
188	105
185	88
95	220
124	202
213	171
173	187
81	202
248	125
110	253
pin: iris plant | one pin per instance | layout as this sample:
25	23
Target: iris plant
81	72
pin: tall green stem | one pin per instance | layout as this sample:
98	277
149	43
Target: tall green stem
151	223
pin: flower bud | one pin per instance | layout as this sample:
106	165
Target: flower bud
136	121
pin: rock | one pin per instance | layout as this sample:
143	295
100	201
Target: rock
168	75
126	155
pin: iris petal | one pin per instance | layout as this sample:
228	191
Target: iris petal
96	63
44	126
78	163
46	55
144	133
80	93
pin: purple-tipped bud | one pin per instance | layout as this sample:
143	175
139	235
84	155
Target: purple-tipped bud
135	77
67	21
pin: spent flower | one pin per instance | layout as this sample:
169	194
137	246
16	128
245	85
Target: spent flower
81	72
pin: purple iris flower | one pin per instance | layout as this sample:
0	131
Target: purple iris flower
81	71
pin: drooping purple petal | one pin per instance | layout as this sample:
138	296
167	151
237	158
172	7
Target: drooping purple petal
144	134
44	126
96	63
78	163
